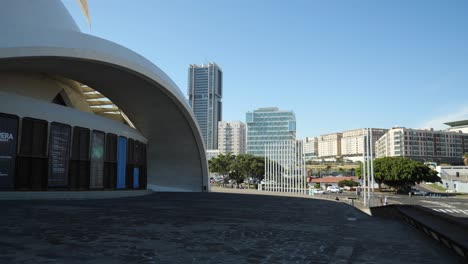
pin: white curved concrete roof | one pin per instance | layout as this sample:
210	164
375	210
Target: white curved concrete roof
157	107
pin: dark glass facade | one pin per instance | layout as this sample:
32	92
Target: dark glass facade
205	91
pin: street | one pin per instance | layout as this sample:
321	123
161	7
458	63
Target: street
455	206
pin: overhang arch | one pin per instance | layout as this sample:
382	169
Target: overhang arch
176	155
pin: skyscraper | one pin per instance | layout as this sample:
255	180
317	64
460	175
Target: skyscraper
231	137
205	90
266	125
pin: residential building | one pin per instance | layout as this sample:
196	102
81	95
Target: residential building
231	137
458	126
352	142
424	145
266	125
212	153
329	145
310	148
205	91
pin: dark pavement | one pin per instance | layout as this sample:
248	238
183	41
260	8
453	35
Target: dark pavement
207	228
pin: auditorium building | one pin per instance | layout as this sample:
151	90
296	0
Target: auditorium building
78	112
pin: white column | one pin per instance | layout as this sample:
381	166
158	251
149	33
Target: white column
304	170
371	144
268	162
368	168
283	167
297	166
277	167
363	176
295	153
288	162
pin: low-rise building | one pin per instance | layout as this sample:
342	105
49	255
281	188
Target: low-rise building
331	181
329	145
352	142
310	148
454	178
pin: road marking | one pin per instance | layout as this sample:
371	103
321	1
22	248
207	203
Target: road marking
452	211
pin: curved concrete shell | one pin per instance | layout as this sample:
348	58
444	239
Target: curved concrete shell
41	37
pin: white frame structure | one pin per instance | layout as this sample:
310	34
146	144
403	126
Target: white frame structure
285	169
368	168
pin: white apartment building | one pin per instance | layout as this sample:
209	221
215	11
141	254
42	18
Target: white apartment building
310	148
352	142
329	145
423	145
231	137
212	153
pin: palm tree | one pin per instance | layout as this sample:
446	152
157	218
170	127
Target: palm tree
465	159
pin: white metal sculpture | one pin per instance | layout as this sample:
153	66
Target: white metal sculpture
285	169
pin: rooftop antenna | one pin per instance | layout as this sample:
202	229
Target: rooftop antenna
84	8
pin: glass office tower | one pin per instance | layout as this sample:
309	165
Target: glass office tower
205	90
267	125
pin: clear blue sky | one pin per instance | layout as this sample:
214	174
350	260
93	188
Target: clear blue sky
337	64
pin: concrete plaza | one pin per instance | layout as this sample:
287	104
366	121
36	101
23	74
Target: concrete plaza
207	228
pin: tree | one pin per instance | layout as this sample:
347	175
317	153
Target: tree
258	167
247	166
241	168
221	164
400	173
349	183
465	159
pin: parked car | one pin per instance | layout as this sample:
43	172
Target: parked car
318	191
218	179
416	192
334	189
267	182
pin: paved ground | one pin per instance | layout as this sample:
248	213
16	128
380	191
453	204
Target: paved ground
452	205
207	228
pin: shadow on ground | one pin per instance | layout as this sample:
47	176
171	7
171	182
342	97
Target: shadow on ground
207	228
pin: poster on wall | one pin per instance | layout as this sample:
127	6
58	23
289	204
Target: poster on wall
121	162
59	155
8	141
97	159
